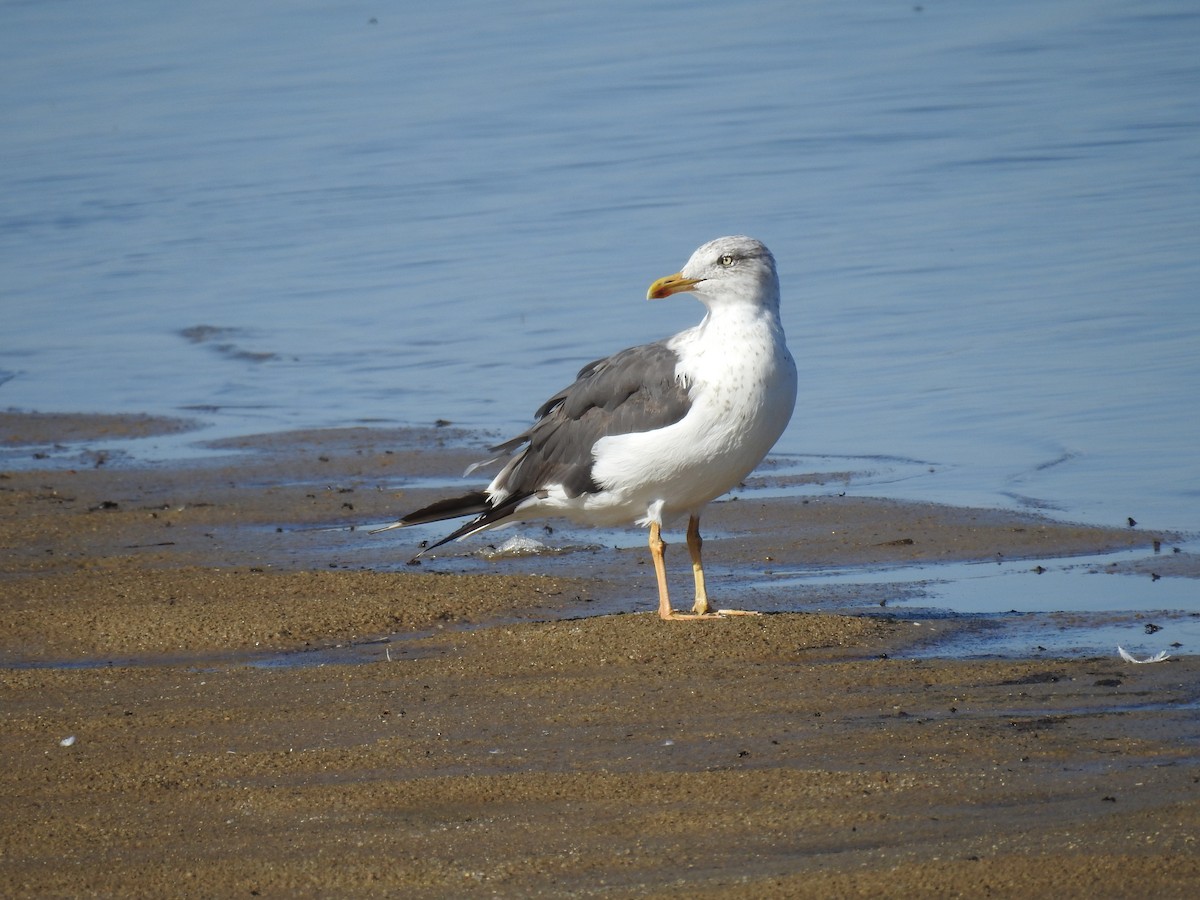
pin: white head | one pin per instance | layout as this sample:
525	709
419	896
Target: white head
726	271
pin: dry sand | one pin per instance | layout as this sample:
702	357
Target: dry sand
213	687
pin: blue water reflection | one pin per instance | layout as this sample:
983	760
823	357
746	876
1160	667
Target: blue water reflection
985	216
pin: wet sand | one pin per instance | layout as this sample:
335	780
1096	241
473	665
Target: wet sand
213	686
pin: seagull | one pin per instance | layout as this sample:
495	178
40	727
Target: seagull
656	431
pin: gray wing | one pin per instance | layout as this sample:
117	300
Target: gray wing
634	390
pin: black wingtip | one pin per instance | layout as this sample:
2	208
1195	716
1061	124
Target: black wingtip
475	503
471	504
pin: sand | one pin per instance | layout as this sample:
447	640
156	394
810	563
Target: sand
214	684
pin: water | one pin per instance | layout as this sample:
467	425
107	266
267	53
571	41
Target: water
1022	608
281	215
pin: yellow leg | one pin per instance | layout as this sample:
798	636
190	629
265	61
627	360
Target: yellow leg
660	570
701	609
695	542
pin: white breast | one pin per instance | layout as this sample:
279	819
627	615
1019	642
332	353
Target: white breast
742	384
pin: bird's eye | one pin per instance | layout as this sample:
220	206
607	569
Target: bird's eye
727	260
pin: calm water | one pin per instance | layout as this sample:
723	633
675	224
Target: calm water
987	218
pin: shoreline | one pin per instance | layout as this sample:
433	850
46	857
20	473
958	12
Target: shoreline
309	715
